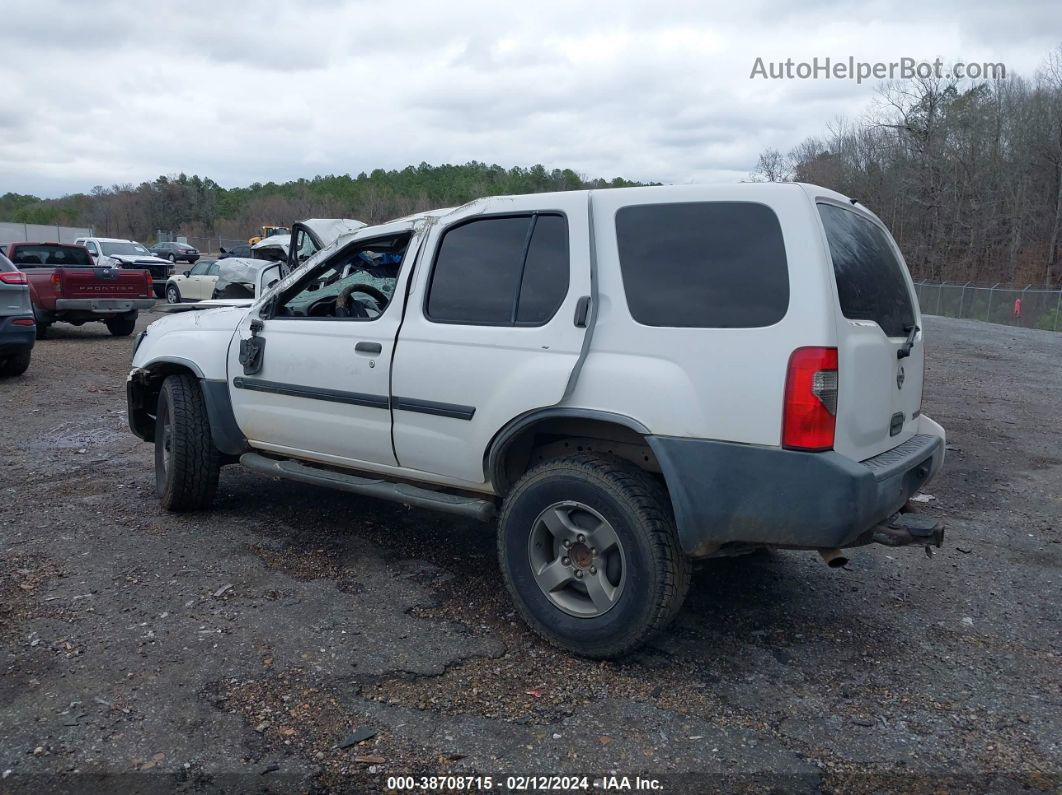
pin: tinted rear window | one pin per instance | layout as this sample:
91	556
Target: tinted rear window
51	256
870	283
703	264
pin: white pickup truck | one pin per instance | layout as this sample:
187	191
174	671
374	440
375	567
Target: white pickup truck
622	380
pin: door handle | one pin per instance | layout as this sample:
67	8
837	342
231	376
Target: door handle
582	311
371	348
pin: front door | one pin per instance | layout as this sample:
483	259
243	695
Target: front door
322	390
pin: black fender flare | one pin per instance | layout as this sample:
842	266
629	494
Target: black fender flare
499	445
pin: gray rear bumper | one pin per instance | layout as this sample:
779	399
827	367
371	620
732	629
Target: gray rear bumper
103	305
725	493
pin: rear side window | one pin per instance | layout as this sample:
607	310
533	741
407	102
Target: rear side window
508	271
870	283
5	264
703	264
51	256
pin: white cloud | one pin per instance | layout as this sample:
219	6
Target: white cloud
115	92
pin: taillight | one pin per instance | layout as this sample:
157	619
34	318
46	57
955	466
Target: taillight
57	279
810	412
17	277
150	283
23	321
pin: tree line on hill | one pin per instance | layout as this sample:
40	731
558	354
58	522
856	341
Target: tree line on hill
199	207
967	177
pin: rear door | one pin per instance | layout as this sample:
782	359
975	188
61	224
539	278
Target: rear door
879	391
491	328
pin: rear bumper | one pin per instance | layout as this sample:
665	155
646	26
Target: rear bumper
103	306
14	339
731	493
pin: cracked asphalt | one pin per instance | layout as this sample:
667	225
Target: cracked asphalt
240	649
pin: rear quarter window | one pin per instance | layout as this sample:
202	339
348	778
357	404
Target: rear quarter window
870	282
703	264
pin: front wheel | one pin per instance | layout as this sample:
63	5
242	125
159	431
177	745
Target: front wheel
589	553
173	295
186	461
121	326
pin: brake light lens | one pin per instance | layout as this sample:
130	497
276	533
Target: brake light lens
150	283
17	277
809	416
23	321
57	279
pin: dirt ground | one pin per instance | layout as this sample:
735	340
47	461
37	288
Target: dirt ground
242	649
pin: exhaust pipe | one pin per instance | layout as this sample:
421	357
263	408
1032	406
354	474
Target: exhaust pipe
834	558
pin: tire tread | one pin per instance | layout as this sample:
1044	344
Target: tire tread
647	501
195	461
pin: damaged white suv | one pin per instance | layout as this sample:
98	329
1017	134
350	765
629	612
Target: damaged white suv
623	380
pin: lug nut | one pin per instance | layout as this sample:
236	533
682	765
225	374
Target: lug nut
578	574
566	561
567	543
593	569
582	538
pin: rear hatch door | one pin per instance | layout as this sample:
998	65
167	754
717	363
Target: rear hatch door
880	349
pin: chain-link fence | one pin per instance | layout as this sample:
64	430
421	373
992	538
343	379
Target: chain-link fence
1013	306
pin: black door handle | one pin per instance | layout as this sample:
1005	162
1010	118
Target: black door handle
368	347
582	311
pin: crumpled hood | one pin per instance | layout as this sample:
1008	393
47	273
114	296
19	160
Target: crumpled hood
217	318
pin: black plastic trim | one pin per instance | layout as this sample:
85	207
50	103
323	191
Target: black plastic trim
723	492
454	410
228	437
313	393
492	463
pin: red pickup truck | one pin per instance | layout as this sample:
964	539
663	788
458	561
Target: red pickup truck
66	286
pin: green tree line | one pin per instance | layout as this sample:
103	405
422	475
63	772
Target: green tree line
967	176
198	206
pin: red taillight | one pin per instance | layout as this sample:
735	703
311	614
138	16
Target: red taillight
809	415
18	277
150	284
57	279
23	321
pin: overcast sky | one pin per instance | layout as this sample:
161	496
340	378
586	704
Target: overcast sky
98	93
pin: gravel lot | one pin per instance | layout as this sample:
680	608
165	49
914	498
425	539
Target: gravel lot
235	650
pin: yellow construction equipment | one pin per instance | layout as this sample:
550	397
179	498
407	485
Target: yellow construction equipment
268	230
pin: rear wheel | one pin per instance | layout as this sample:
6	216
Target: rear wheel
121	326
15	364
589	553
172	258
186	462
173	295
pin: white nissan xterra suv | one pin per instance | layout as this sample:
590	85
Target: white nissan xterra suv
623	380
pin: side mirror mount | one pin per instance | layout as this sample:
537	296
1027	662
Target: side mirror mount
186	273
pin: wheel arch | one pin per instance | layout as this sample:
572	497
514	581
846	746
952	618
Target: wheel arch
143	389
509	454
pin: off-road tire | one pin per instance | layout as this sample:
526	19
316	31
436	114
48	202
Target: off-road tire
121	326
657	571
186	461
15	364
